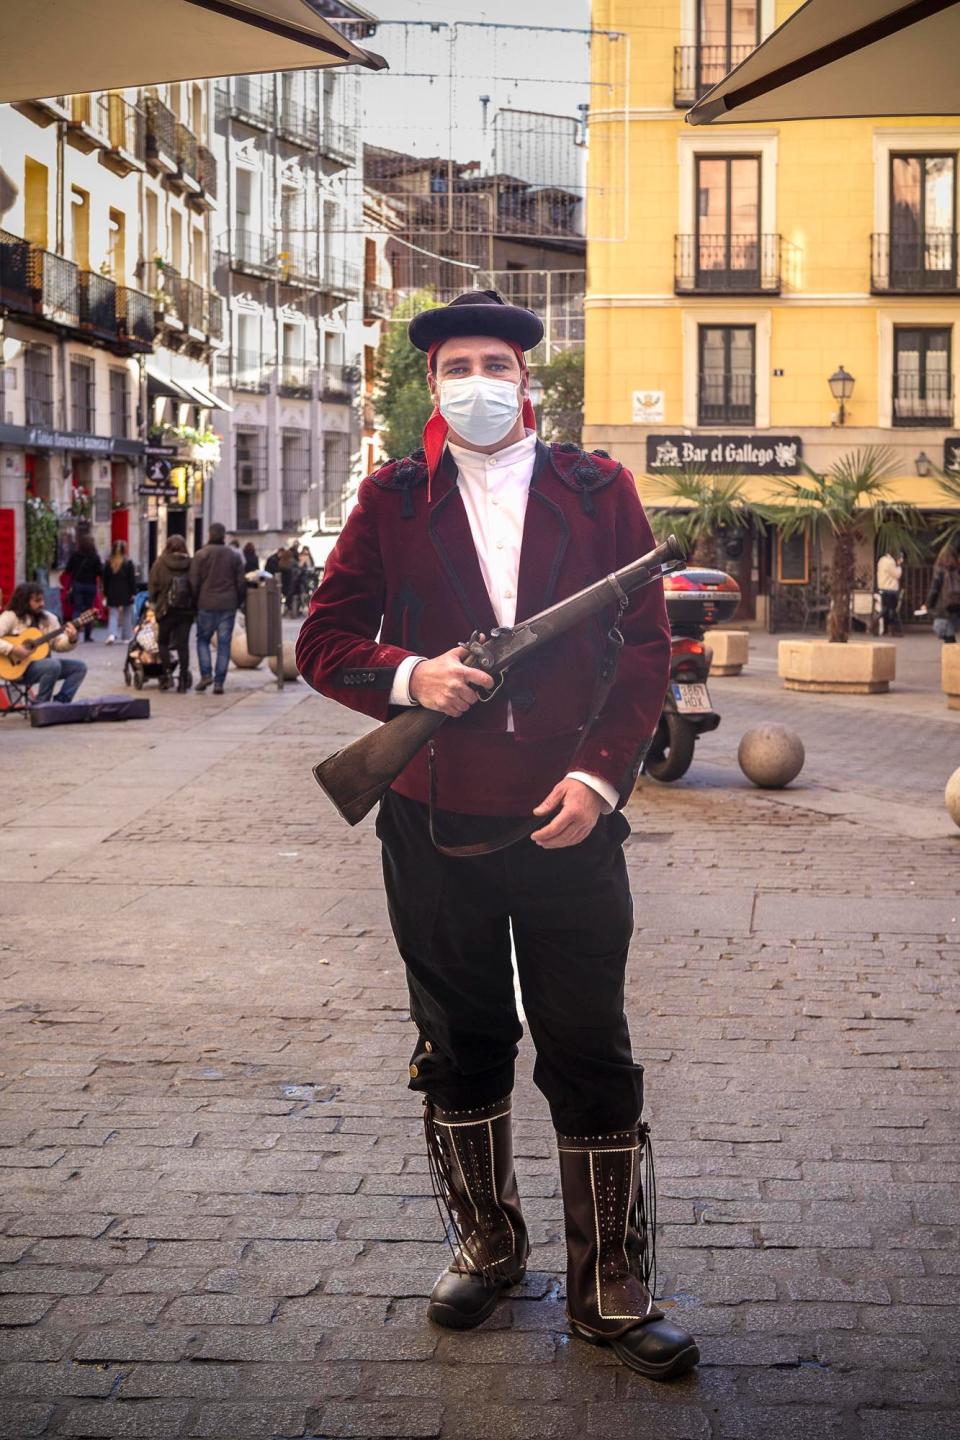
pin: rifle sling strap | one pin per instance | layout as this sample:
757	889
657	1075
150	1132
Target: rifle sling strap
606	676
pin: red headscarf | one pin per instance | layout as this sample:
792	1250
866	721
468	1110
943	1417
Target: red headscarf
436	428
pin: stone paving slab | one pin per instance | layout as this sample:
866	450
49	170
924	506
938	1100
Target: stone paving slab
215	1212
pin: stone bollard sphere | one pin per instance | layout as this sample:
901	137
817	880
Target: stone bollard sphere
290	671
239	653
951	797
771	756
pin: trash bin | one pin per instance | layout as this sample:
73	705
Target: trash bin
263	612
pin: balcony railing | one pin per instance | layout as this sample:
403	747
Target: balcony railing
250	372
161	135
295	377
727	264
88	127
336	382
193	312
135	318
376	302
297	123
915	264
57	286
127	128
338	141
207	171
98	305
171	294
697	68
214	316
248	98
340	277
922	399
251	252
16	288
298	262
726	399
188	164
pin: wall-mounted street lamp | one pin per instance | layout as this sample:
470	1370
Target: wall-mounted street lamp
841	388
923	465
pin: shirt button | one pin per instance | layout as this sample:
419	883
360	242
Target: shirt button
494	500
414	1072
428	1047
508	594
499	544
491	461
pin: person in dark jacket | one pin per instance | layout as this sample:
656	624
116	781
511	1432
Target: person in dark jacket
172	599
251	560
943	600
216	579
85	568
119	588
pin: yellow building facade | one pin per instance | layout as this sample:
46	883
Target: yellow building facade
734	269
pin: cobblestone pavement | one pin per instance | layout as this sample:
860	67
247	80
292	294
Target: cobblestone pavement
216	1218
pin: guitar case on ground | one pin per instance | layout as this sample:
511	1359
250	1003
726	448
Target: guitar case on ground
106	707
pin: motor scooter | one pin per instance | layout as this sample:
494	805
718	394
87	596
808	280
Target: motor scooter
696	599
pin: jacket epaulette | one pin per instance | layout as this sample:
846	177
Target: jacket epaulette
404	475
584	472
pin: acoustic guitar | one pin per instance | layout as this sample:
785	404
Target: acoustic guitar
38	642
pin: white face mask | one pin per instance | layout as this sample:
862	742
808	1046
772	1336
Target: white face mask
480	410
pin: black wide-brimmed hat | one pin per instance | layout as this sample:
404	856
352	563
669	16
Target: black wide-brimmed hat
476	312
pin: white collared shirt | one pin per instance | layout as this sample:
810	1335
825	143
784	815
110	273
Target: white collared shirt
494	489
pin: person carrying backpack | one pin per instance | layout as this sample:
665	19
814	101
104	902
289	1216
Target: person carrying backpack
172	600
943	600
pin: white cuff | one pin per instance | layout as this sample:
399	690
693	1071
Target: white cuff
400	689
604	789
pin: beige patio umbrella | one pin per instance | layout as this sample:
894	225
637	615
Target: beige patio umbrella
66	47
841	58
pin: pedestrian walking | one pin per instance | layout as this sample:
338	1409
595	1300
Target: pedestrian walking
251	560
171	596
217	583
306	579
889	575
943	598
85	568
119	589
487	525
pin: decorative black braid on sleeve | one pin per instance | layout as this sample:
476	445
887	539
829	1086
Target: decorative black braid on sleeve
403	475
585	474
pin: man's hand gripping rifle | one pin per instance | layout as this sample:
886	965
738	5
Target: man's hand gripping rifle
355	778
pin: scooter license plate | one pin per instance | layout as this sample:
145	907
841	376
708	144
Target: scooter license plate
691	699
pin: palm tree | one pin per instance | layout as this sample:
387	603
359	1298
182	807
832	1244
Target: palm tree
853	490
705	505
948	483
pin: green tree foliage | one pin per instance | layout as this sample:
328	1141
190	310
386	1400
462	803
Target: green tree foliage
854	492
42	533
561	409
697	507
401	398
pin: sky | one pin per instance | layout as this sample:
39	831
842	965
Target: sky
413	107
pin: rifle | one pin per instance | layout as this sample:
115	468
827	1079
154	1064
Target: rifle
355	777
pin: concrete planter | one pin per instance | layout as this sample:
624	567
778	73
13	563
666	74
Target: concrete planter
950	674
836	669
731	650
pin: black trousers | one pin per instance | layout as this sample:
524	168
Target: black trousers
173	633
571	916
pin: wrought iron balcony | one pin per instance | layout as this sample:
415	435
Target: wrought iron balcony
697	68
98	305
338	141
135	318
56	286
922	399
340	277
188	165
726	399
17	292
207	171
914	264
336	383
297	123
126	128
248	98
161	136
193	312
727	264
295	377
214	315
251	252
376	302
250	372
171	297
88	127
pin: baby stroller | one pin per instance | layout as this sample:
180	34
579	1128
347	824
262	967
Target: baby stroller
136	670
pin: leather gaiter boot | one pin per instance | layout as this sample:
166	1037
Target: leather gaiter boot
611	1259
471	1165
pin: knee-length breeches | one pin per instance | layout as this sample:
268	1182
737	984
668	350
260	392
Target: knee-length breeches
571	919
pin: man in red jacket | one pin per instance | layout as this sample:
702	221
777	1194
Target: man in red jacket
485	527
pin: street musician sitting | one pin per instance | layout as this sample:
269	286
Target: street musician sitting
19	638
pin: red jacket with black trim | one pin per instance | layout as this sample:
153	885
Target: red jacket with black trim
408	573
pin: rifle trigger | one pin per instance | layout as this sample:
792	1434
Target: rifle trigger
486	695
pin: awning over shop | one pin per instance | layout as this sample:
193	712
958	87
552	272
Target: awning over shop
207	399
64	47
160	384
834	61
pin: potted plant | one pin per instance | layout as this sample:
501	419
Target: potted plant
843	504
42	530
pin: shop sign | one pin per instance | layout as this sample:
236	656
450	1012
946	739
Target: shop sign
159	492
38	437
951	454
714	454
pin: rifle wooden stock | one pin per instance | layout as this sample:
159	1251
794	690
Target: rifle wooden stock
355	777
